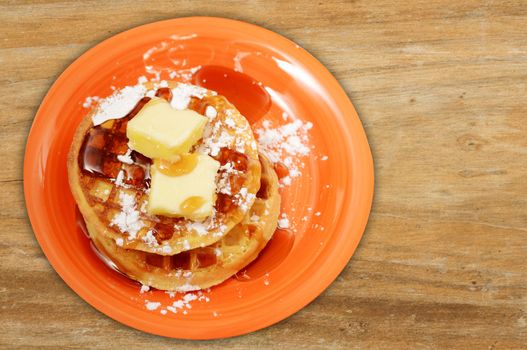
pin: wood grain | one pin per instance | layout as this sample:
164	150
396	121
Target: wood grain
441	89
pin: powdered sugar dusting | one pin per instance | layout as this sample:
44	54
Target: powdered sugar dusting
283	223
152	305
126	158
89	101
181	305
182	93
149	239
285	143
119	104
128	220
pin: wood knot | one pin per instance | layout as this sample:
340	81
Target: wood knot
470	142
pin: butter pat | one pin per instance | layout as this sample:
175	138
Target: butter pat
160	131
191	195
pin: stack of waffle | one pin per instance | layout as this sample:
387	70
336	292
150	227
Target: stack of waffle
111	183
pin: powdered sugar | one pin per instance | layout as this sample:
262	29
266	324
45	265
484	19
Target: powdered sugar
210	112
152	305
119	104
89	101
128	220
244	199
126	158
285	143
283	223
182	93
149	239
200	228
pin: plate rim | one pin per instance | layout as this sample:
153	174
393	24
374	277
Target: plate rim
365	180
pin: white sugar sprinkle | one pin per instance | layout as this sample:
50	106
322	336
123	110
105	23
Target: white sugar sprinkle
128	220
210	112
182	93
89	101
119	104
284	144
152	305
150	239
283	223
126	158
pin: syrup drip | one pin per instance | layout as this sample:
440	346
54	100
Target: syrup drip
281	170
205	257
160	261
191	204
164	93
183	166
263	192
81	224
244	92
270	257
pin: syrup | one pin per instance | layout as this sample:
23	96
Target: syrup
163	231
240	89
223	203
281	170
102	144
270	257
164	93
183	166
191	204
81	224
239	160
263	192
205	257
181	261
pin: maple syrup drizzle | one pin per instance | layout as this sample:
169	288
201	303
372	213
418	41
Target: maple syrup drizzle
163	231
191	204
164	93
103	143
185	165
239	160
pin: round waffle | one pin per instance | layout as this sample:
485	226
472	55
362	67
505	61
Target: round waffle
109	181
207	266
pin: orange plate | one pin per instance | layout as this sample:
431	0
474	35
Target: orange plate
328	204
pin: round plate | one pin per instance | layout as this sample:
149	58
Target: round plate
328	204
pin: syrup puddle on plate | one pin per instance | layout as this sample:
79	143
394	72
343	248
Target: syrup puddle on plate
276	250
81	226
249	97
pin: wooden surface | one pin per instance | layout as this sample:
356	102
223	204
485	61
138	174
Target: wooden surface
441	89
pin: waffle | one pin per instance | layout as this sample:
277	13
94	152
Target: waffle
203	267
105	187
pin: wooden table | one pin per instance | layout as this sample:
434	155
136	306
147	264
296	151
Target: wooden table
441	89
